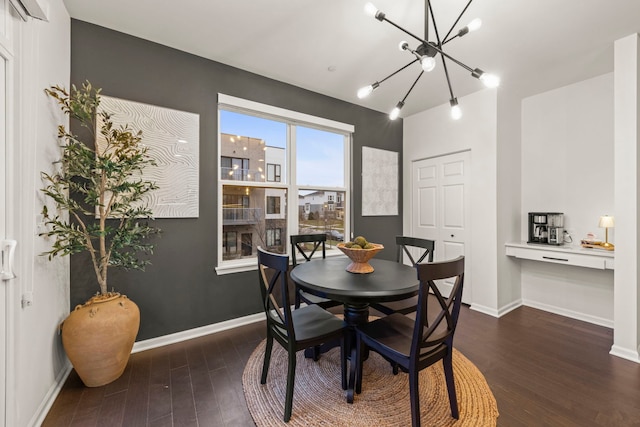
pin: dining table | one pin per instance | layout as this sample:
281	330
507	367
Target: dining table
328	278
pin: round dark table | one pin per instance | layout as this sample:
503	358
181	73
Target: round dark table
390	281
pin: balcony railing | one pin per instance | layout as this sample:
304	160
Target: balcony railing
246	175
240	216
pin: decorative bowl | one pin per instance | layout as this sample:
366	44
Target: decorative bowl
360	257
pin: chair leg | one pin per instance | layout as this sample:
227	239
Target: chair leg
394	368
451	386
267	359
297	299
352	375
343	363
291	376
360	346
414	396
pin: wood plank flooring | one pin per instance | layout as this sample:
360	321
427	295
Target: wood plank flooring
544	370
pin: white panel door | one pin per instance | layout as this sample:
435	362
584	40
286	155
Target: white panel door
440	207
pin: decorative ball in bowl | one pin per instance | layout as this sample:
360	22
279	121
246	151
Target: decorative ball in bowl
360	255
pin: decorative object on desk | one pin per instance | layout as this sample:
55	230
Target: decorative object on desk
320	400
606	222
360	252
592	242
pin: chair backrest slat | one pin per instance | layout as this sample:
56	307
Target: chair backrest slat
430	331
403	244
298	242
272	273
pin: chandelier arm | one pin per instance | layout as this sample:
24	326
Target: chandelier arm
466	67
446	38
433	20
446	73
427	6
398	70
412	86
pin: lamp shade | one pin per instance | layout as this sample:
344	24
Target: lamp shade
606	221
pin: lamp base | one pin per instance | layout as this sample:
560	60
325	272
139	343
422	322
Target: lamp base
608	246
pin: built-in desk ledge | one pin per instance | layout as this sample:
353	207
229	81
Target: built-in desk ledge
566	254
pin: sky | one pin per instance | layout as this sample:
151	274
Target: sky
320	154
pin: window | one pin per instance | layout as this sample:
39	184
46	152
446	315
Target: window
230	243
273	172
281	173
273	205
273	237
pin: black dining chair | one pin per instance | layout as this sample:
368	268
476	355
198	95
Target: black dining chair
298	246
417	344
404	245
295	330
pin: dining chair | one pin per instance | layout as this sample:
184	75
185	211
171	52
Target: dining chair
404	245
416	344
295	330
298	246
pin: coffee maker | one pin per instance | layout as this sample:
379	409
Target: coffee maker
546	228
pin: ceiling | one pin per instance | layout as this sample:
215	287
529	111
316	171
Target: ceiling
332	47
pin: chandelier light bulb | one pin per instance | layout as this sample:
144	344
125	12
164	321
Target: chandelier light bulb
475	24
428	63
395	113
370	10
456	111
363	92
403	45
490	80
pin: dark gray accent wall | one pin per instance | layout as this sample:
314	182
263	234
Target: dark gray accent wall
181	289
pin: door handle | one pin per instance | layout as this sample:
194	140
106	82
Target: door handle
8	250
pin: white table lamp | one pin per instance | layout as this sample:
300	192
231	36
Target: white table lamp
606	222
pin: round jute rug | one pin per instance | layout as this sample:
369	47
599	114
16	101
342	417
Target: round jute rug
320	401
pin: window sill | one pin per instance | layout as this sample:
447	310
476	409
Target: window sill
251	265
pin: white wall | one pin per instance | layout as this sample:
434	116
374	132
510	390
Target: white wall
626	335
432	133
36	359
568	166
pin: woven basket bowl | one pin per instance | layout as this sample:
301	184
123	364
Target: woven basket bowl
360	258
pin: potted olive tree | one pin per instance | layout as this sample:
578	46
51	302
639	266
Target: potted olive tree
98	184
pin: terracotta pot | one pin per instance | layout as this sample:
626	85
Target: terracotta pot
98	337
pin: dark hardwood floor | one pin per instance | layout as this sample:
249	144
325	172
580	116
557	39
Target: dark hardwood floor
544	370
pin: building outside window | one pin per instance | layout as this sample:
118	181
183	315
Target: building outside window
273	172
273	205
260	179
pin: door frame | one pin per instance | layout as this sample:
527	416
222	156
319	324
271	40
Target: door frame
468	288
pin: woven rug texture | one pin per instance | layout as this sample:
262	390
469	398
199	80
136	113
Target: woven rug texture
320	401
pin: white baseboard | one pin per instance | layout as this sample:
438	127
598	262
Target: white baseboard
625	353
52	394
509	307
608	323
196	332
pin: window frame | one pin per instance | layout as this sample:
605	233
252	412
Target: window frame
292	119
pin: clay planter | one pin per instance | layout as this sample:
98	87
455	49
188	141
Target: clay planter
98	337
360	257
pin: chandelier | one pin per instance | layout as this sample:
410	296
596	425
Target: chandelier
426	52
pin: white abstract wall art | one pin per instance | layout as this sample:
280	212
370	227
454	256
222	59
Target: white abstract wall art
379	182
173	138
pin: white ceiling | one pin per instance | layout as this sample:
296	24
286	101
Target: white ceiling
332	47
